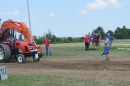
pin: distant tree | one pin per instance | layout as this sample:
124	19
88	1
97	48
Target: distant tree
100	30
122	33
111	33
70	39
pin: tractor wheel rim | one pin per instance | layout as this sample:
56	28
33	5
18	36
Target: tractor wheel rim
1	53
20	58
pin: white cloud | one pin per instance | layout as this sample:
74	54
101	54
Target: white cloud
114	3
11	13
98	4
51	14
40	26
84	12
101	4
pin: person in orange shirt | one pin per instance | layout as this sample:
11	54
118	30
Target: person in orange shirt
86	41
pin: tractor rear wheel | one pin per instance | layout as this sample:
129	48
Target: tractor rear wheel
20	58
5	53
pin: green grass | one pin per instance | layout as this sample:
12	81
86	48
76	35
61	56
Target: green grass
67	50
41	80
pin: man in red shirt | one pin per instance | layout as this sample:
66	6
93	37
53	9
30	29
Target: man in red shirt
86	41
47	45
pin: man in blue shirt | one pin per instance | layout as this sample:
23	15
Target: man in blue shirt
110	39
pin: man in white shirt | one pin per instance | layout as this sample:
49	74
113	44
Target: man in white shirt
106	48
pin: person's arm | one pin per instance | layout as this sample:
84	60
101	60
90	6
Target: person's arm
113	38
44	42
7	39
104	41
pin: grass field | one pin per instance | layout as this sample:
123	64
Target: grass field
72	52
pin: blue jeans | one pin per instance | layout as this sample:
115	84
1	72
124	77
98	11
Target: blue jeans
48	50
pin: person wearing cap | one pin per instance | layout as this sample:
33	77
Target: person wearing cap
86	41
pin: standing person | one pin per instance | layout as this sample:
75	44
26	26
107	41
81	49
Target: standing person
86	41
97	41
100	37
89	35
106	48
47	45
93	38
110	39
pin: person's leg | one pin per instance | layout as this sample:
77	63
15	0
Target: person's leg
107	57
99	42
97	45
92	42
89	43
88	46
12	45
46	51
110	43
49	50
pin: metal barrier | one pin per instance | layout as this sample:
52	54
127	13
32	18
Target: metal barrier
121	40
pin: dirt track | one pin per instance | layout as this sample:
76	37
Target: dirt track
87	69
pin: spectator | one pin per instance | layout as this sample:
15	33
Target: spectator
110	39
97	41
47	45
89	35
93	38
100	37
86	41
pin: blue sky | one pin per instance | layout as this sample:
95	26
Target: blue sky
66	18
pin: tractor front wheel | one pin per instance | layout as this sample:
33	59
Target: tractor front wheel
36	57
21	58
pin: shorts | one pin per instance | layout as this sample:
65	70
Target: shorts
106	50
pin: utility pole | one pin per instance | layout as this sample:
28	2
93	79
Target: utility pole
29	21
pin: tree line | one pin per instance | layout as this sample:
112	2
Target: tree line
119	33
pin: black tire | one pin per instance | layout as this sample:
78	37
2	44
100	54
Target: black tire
5	53
36	59
20	58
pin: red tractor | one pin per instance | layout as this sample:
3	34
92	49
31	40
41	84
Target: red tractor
20	49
